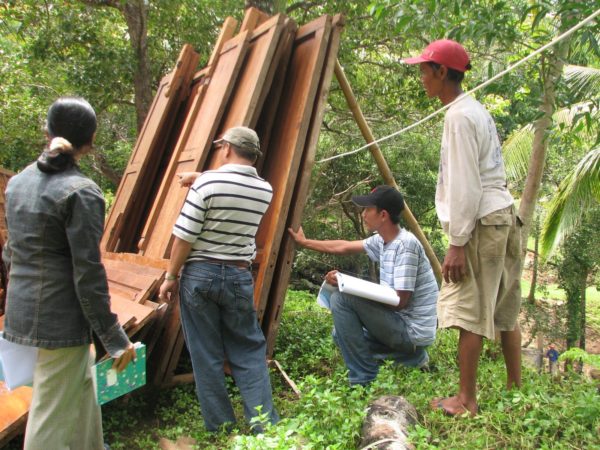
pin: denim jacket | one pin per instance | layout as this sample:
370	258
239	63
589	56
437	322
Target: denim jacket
57	289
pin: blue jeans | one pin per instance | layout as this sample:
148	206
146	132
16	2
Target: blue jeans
219	322
368	332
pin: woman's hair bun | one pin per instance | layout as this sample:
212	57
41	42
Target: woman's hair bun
71	124
60	145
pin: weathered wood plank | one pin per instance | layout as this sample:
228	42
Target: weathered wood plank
141	282
201	81
283	268
140	260
142	168
287	143
252	18
155	240
132	316
255	78
14	407
166	343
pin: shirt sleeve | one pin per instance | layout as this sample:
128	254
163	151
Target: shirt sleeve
371	246
191	218
84	229
406	266
464	182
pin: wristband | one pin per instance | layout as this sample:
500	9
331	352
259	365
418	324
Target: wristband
170	277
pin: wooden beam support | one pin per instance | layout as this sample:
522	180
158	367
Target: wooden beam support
384	169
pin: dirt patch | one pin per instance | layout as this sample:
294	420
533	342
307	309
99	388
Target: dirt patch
553	311
552	314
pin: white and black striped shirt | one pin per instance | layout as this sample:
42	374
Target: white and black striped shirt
222	212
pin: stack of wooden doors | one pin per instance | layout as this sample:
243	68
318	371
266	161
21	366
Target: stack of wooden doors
272	76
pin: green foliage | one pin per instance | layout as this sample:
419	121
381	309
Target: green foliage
49	49
580	257
577	354
304	339
578	192
545	413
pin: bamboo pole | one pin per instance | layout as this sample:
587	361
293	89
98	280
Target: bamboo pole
384	169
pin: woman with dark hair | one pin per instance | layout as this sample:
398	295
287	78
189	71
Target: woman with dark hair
57	290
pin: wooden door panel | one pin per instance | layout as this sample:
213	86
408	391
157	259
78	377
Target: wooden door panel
283	268
193	152
143	163
255	78
287	142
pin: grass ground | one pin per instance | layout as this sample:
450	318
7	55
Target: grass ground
544	413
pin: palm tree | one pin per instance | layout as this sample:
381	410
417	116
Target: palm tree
576	194
581	187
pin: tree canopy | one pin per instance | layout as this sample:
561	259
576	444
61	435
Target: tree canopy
114	52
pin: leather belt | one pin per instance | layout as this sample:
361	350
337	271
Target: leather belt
236	263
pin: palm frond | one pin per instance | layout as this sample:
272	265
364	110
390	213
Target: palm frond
575	194
517	151
517	148
566	116
582	81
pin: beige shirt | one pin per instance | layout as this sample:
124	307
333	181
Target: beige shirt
471	178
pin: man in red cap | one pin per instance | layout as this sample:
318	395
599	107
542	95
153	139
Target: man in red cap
480	293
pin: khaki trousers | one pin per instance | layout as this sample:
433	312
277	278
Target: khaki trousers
64	413
489	298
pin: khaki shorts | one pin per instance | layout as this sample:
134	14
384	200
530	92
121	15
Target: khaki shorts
489	299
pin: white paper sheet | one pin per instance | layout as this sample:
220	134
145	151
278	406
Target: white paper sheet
366	289
325	294
18	362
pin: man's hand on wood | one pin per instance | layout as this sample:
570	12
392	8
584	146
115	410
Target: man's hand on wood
166	290
186	179
298	236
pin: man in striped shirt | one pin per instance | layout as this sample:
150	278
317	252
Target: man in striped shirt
214	242
367	331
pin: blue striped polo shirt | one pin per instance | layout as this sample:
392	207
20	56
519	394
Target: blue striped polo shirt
404	266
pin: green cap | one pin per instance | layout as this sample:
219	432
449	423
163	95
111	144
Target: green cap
242	137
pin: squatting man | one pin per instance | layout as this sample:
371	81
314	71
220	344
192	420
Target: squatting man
367	331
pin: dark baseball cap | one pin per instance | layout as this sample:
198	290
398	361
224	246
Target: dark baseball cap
383	197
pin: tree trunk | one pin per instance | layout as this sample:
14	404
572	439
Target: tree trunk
135	13
534	268
582	309
554	63
136	16
267	6
573	318
103	167
387	424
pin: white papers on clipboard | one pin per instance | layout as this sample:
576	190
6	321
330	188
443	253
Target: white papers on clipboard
367	289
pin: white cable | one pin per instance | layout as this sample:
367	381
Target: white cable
475	89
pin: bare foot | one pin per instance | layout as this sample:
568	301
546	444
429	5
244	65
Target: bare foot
452	406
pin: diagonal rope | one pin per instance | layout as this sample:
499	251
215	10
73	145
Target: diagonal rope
475	89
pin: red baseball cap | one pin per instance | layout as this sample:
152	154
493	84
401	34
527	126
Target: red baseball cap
445	52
